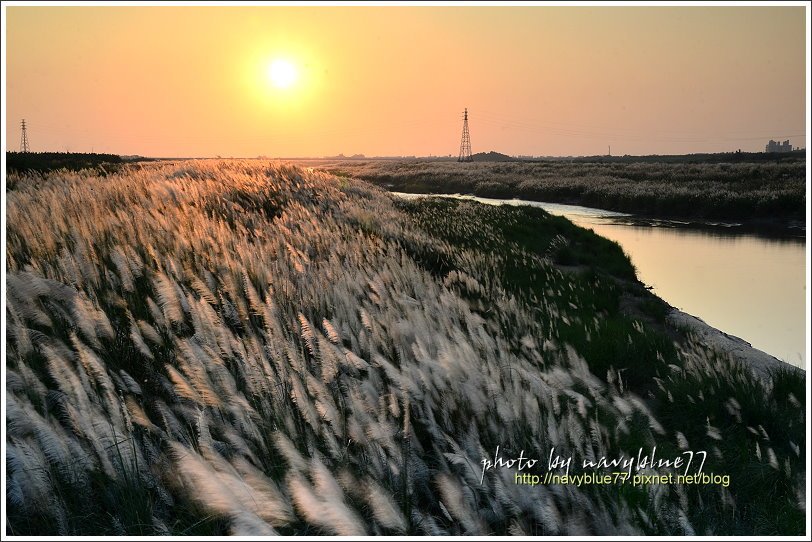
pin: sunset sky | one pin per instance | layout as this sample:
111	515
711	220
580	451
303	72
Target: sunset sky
194	81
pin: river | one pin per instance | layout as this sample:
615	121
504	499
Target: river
750	286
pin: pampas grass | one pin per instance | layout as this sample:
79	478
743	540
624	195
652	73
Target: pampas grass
213	347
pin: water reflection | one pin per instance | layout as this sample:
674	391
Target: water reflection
747	285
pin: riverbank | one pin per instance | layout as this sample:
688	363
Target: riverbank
662	250
765	227
763	365
764	196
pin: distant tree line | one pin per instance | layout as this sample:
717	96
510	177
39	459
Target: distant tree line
48	161
697	158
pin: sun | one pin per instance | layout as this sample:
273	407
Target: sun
282	73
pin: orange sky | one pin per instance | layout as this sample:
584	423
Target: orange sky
192	81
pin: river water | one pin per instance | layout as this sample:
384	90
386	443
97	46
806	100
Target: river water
750	286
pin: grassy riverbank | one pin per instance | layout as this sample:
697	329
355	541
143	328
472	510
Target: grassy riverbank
237	347
741	191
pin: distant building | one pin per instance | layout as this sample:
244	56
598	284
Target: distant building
775	146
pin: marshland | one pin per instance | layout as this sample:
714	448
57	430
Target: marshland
254	348
764	191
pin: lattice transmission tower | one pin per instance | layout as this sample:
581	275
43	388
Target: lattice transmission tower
465	144
24	138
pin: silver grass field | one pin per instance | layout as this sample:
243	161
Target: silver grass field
238	347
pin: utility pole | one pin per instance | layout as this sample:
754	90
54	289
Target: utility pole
24	138
465	144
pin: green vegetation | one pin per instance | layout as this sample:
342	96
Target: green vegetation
235	347
741	191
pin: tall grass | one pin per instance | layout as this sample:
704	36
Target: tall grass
729	191
249	348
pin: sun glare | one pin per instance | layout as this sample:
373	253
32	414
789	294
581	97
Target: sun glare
282	73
